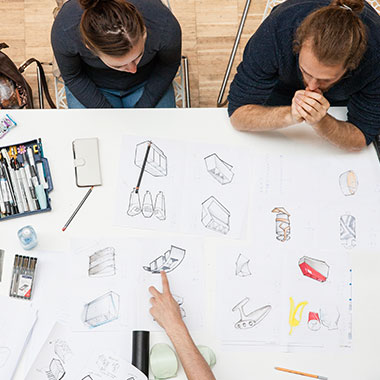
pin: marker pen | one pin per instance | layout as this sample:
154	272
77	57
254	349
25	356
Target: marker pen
2	205
12	196
29	178
21	185
4	190
31	203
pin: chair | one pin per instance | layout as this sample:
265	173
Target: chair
180	83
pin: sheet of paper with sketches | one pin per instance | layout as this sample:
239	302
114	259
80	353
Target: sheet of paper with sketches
111	276
83	356
17	319
324	202
288	299
187	187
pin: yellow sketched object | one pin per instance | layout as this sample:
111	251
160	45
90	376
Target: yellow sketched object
293	321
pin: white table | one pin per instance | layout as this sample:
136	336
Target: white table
59	128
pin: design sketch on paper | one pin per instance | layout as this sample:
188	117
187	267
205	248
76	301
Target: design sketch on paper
282	224
219	169
101	310
294	319
5	352
102	263
313	268
56	370
157	162
215	216
108	365
247	321
348	182
147	209
314	322
180	301
348	231
168	261
62	350
329	317
88	377
242	266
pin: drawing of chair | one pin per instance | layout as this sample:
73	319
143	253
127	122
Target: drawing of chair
247	321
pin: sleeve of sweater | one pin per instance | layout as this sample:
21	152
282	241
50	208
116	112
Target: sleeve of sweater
257	73
168	61
75	78
364	108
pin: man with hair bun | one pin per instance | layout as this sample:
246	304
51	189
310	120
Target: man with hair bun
117	53
305	57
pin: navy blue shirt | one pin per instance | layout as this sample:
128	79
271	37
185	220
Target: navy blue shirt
83	72
269	73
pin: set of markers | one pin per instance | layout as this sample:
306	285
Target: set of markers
24	268
25	180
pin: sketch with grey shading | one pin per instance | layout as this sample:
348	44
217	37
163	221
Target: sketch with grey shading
219	169
252	319
215	216
102	263
348	231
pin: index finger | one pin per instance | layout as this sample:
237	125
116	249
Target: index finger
165	282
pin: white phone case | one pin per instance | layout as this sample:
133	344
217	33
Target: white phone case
86	162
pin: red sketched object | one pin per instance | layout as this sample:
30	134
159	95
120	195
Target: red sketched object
313	268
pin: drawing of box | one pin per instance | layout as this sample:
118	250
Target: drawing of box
215	216
219	169
313	268
101	310
156	164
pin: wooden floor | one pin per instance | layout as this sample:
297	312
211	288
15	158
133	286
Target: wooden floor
209	28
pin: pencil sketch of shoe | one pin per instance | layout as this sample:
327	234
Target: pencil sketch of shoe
219	169
134	206
329	317
215	216
282	224
159	206
168	261
101	310
247	321
56	370
156	164
314	323
242	266
62	350
348	231
313	268
293	320
102	263
348	182
5	352
179	300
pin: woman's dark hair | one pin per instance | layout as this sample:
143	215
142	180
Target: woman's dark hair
110	27
336	33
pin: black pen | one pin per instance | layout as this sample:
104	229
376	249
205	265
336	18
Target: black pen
10	186
137	188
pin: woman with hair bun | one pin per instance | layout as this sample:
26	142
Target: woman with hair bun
306	56
117	53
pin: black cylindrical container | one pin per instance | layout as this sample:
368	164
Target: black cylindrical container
140	351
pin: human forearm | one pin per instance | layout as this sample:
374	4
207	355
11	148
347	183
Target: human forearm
195	366
255	117
340	133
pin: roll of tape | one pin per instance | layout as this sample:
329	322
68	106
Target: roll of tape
163	361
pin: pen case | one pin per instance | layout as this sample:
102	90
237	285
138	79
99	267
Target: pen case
26	168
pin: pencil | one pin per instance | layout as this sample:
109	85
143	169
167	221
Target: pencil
300	373
77	209
143	167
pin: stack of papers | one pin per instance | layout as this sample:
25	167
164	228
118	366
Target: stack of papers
17	320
